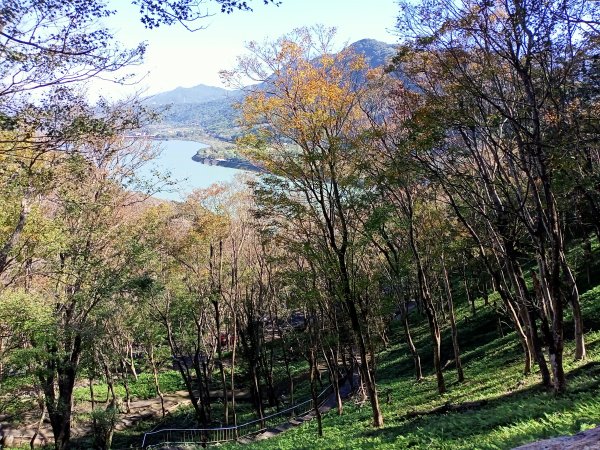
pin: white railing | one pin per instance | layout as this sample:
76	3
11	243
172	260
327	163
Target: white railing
204	436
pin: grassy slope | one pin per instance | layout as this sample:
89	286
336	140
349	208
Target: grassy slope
517	411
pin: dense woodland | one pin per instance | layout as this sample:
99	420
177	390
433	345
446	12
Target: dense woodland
456	187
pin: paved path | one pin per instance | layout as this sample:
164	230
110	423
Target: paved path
586	440
329	403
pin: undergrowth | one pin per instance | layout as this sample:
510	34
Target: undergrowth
141	389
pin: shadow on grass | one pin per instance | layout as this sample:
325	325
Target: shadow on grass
477	336
517	407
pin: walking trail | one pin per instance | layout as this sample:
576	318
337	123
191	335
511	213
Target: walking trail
346	390
16	435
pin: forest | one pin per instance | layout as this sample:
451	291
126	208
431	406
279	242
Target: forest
418	266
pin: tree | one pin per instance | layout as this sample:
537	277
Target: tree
181	297
49	50
503	75
85	268
306	120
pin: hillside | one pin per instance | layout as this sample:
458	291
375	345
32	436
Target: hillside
416	264
484	412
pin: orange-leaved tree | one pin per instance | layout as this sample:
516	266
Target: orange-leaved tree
304	125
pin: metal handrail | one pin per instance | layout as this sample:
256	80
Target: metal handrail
231	433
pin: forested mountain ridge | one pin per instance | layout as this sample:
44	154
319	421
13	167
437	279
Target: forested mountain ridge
376	53
196	94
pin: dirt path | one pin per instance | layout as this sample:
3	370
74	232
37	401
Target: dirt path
140	410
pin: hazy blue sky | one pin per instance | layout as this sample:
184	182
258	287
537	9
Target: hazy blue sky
177	57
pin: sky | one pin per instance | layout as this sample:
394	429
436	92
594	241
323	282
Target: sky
177	57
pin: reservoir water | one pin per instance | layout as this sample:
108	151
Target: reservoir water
176	161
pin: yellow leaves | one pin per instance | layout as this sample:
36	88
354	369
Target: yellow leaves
289	52
308	110
306	96
327	61
358	63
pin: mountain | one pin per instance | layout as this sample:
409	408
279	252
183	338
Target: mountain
193	95
376	53
210	109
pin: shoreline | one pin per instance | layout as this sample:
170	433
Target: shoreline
233	163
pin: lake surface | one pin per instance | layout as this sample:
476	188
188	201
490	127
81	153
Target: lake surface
176	161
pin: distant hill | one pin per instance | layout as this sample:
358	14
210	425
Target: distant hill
210	109
193	95
376	53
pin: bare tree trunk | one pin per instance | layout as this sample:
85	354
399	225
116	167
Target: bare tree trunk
526	311
185	375
470	298
288	372
257	392
109	381
519	329
423	289
221	366
333	376
218	327
313	390
156	379
60	378
92	396
496	279
232	374
367	375
573	296
555	340
125	378
434	328
268	363
131	361
459	369
411	345
436	340
338	395
42	406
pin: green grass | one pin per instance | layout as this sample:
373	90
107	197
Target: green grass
516	411
140	389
